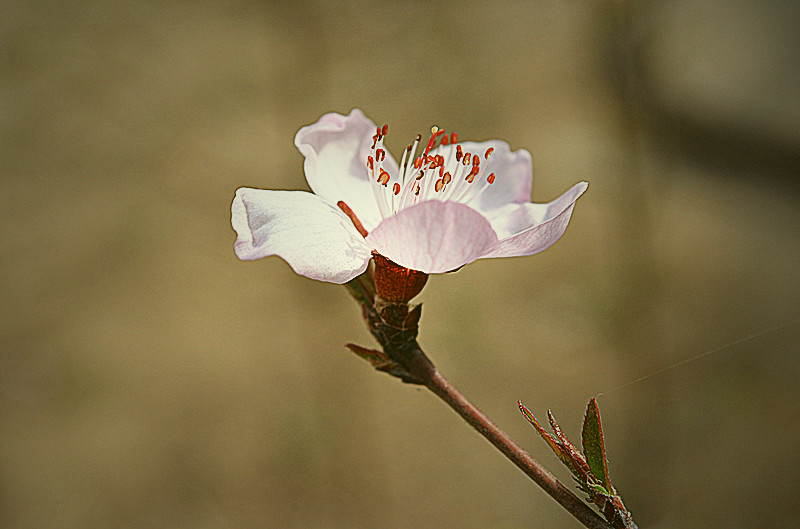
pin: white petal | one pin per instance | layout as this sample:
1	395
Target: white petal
336	149
513	174
434	236
314	237
526	229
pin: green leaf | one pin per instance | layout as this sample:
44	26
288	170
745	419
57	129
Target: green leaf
599	489
594	446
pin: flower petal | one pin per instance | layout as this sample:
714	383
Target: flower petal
434	236
513	171
526	229
336	149
314	237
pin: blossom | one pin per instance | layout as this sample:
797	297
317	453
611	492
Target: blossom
446	204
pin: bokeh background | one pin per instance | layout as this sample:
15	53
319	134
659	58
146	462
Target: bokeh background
149	379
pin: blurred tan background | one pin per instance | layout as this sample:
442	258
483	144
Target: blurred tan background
149	379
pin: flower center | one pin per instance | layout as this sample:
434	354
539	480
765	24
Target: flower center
444	171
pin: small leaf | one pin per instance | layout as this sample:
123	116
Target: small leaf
582	468
377	358
594	446
412	320
599	489
558	449
382	362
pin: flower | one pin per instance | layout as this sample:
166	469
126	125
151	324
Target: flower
444	205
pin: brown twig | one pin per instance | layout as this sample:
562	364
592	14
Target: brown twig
501	440
394	325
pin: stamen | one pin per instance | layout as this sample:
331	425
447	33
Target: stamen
411	152
408	191
349	212
450	173
473	190
383	178
403	167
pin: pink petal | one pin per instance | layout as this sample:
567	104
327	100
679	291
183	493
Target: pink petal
336	149
526	229
314	237
434	236
513	171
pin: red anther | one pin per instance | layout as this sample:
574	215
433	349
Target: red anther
380	155
445	140
459	153
470	178
396	188
383	178
420	175
417	162
441	171
349	212
385	130
490	178
475	170
447	178
476	162
467	157
370	163
439	185
489	152
453	137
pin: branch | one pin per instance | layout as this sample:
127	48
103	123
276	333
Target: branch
501	440
394	325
